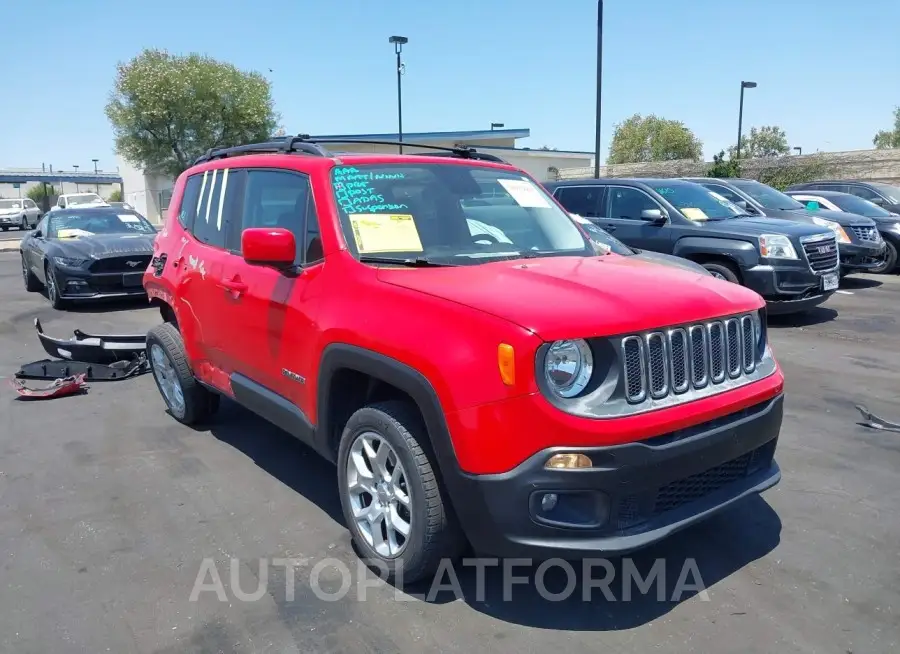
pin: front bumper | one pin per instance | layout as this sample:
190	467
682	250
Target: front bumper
788	286
860	256
84	285
636	494
11	221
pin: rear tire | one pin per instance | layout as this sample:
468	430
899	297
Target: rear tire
890	260
433	532
723	271
187	400
32	283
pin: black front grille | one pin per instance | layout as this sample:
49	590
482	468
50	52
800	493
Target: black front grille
133	263
634	509
867	234
821	253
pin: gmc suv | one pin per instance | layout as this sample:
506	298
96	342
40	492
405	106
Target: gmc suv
475	371
792	265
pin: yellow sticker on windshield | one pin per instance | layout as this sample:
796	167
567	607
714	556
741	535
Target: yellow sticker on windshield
692	213
73	233
383	232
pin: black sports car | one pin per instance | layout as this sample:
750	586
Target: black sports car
89	253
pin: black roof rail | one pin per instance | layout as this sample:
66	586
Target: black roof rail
289	144
462	152
302	143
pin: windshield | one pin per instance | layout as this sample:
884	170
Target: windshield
450	213
892	192
90	223
87	198
697	203
606	241
10	204
767	196
854	204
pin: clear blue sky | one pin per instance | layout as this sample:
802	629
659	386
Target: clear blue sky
828	72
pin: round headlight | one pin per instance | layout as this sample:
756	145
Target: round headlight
568	367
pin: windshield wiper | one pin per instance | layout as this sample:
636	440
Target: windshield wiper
416	262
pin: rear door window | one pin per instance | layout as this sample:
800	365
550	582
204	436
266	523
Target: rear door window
210	223
582	200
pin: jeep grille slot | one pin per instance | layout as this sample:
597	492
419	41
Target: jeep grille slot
679	352
633	358
749	343
656	365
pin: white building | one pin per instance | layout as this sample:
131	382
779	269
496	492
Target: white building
150	194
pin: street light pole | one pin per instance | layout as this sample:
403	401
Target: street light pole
398	42
95	172
76	181
744	85
497	125
599	87
798	149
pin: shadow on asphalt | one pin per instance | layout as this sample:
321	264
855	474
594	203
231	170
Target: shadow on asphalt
280	455
701	556
859	283
815	316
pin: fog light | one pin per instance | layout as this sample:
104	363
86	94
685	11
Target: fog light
568	461
548	502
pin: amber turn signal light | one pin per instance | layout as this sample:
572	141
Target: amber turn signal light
568	461
506	362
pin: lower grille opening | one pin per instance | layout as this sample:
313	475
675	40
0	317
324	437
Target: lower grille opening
635	509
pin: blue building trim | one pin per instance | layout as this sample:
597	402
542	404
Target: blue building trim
434	136
17	177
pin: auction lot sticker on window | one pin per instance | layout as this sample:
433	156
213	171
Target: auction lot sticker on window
524	193
383	232
692	213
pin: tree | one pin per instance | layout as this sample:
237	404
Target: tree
39	192
166	110
767	141
115	195
889	138
640	139
722	168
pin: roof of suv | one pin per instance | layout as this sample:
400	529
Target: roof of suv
649	181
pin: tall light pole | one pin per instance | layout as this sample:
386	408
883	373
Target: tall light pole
599	87
95	172
497	125
744	85
398	42
798	149
76	181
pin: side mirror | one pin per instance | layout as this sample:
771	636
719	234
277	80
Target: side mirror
743	204
879	201
37	233
269	246
655	216
812	205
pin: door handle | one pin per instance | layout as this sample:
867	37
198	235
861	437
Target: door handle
234	285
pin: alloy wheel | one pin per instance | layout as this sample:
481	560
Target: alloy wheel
24	271
378	488
52	291
717	275
165	375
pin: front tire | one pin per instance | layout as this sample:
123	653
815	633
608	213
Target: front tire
23	227
392	500
722	271
890	260
53	293
187	400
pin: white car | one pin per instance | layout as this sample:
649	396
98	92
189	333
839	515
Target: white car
22	213
80	200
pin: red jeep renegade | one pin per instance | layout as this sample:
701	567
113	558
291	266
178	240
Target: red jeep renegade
439	328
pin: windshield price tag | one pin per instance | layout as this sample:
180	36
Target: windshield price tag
127	218
381	232
524	193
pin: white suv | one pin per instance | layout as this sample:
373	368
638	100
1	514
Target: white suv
81	200
22	213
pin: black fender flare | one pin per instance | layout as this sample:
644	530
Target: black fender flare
742	253
338	356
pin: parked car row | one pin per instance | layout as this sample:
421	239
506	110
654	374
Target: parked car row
790	252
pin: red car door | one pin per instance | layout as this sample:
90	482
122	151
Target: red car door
269	316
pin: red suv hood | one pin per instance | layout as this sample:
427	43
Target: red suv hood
579	297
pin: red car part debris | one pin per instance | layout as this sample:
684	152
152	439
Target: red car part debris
74	385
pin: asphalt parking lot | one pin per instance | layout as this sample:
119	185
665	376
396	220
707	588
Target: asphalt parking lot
108	508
